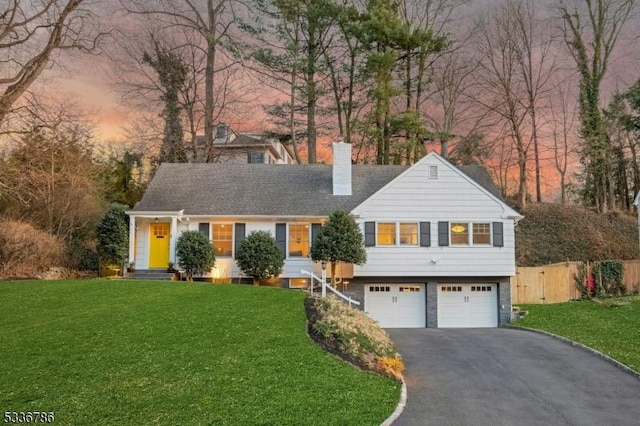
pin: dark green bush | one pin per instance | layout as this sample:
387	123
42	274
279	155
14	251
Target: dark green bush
259	256
195	253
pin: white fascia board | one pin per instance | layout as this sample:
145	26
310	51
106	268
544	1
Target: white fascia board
154	214
267	218
636	202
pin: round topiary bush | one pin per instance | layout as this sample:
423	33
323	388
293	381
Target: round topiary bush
195	253
259	256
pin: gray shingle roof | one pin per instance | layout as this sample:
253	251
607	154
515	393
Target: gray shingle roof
268	190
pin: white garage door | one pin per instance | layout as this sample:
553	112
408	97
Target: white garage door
467	305
396	305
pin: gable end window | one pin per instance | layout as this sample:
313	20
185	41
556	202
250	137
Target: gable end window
481	233
459	233
433	172
386	234
408	234
465	234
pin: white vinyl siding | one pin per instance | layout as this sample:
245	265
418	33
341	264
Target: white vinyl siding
452	198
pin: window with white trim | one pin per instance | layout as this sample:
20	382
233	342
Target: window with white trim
386	234
408	234
465	234
222	239
459	233
481	233
299	240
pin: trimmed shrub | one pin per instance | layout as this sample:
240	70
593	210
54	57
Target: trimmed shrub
195	253
113	235
26	251
259	256
352	335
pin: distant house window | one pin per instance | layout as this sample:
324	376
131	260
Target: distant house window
481	233
386	234
433	172
221	132
459	233
299	240
256	157
222	240
408	234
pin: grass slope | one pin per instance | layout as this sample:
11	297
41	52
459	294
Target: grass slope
552	233
610	327
123	352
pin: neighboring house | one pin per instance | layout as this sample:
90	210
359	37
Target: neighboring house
439	238
241	148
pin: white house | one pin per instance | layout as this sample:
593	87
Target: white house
439	238
232	147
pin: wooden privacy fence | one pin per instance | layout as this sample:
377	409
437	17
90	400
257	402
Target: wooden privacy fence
556	283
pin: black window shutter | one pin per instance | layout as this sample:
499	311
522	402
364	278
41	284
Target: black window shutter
425	234
498	234
369	234
443	234
239	234
281	237
204	229
315	228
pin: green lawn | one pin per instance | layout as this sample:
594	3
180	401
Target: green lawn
126	352
612	326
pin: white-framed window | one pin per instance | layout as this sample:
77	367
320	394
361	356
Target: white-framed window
299	240
466	234
433	172
459	233
222	239
408	234
481	233
386	233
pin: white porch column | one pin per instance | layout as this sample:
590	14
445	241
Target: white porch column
132	238
174	237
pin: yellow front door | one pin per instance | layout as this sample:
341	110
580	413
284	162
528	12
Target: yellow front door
159	245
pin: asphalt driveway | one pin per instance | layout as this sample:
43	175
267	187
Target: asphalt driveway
510	377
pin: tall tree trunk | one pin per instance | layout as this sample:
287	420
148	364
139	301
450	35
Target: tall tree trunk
209	82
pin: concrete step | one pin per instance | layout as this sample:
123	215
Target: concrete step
151	274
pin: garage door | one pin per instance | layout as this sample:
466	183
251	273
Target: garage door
467	305
396	305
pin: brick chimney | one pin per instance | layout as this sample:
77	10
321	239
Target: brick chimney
341	168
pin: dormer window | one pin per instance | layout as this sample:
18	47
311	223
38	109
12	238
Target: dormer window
221	131
256	157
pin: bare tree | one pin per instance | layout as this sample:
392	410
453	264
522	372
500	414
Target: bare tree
210	21
563	115
515	67
591	30
537	64
30	33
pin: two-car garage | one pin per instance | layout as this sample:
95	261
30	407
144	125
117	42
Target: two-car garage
458	305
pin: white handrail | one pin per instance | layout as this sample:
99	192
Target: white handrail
327	286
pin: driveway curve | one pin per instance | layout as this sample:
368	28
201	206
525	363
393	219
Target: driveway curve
510	377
